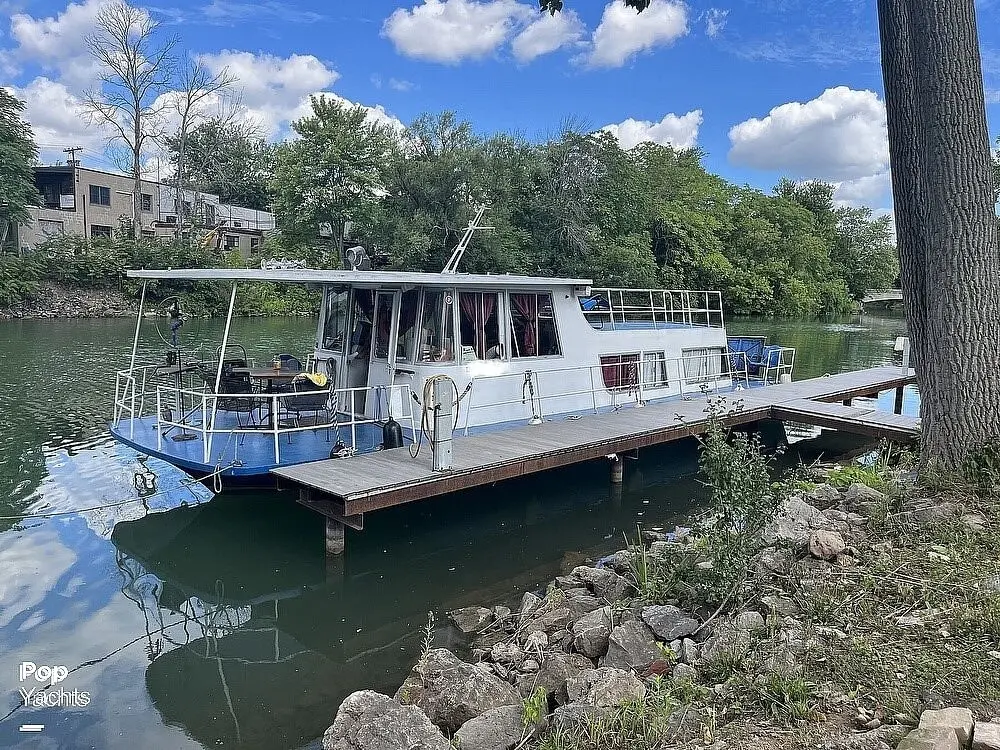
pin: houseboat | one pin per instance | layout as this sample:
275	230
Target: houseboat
514	350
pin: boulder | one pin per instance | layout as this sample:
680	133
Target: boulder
631	645
591	633
958	720
689	652
826	545
794	521
507	653
451	691
549	619
684	673
581	604
605	687
779	605
498	729
669	622
555	669
824	495
529	603
605	584
776	560
986	736
861	495
752	622
471	620
371	721
937	738
536	641
575	716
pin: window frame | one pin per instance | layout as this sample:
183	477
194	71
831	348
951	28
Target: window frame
101	235
103	195
146	202
538	317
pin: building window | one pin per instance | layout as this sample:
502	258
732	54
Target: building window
254	243
97	230
533	327
50	228
209	215
232	242
146	201
620	371
170	219
100	195
148	233
237	223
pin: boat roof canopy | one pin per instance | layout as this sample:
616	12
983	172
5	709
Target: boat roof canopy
375	278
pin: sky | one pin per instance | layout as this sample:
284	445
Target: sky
767	88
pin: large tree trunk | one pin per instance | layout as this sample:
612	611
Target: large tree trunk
945	219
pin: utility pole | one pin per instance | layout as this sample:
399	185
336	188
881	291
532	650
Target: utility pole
74	163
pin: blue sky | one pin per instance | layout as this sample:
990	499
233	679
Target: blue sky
766	87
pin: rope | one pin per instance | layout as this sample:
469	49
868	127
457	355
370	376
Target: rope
425	409
528	392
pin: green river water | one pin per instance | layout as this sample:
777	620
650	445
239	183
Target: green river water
193	624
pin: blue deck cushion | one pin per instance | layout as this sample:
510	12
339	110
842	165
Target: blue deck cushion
751	346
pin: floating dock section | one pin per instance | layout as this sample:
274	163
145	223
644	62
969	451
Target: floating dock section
345	489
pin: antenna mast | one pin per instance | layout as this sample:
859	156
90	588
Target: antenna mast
452	265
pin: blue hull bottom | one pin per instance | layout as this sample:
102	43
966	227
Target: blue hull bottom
246	458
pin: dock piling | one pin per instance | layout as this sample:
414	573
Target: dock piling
617	468
335	537
441	446
897	407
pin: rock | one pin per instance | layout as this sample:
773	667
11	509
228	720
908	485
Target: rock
530	665
986	736
568	582
663	550
536	641
501	612
549	620
825	494
726	641
575	716
471	620
883	738
631	645
529	603
368	720
776	560
581	604
554	671
498	729
689	652
684	673
489	639
959	720
591	633
605	687
974	521
506	653
669	622
451	692
605	584
752	622
826	545
862	495
794	521
938	738
779	605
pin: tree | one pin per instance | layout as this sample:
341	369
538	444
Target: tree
946	224
198	87
996	172
227	159
135	68
330	175
18	154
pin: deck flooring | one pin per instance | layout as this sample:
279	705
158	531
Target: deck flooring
373	481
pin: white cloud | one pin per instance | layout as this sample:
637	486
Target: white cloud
449	31
57	118
715	21
870	190
679	131
398	84
546	34
839	136
623	33
57	43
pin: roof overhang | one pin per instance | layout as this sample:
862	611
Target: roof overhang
356	278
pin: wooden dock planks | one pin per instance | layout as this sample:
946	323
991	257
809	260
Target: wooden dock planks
373	481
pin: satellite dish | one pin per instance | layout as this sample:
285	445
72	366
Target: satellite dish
358	259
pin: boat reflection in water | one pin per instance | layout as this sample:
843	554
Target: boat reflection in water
254	638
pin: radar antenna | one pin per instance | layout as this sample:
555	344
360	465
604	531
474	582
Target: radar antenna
452	265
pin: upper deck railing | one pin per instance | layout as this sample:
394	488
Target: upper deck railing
615	308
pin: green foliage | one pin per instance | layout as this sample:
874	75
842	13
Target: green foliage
982	467
535	707
18	154
872	476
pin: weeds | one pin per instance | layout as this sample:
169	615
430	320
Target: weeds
428	639
535	707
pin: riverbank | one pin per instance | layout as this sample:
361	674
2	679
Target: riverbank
54	300
869	601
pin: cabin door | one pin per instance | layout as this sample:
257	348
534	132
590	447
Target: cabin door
383	354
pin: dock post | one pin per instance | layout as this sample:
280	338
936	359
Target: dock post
335	537
617	468
897	408
443	425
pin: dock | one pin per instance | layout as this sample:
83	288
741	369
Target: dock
345	489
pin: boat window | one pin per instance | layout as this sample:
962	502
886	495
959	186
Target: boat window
654	370
335	320
703	363
383	325
620	371
361	327
407	333
437	331
533	325
479	315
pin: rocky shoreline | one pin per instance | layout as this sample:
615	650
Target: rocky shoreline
591	653
60	302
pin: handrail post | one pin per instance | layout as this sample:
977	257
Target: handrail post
138	323
274	426
159	415
222	357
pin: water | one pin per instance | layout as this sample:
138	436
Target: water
195	624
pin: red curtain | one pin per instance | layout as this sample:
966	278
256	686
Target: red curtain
476	309
527	306
620	371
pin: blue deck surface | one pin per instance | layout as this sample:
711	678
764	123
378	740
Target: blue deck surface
244	454
638	325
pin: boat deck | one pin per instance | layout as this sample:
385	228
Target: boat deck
365	483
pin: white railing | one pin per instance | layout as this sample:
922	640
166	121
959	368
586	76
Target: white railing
612	308
670	376
341	411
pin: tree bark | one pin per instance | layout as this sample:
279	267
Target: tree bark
946	223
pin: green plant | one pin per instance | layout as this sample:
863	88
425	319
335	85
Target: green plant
535	707
428	639
982	467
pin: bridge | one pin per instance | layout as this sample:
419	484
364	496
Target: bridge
882	297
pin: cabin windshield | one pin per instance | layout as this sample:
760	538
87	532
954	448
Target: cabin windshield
533	326
480	325
436	340
407	335
335	319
